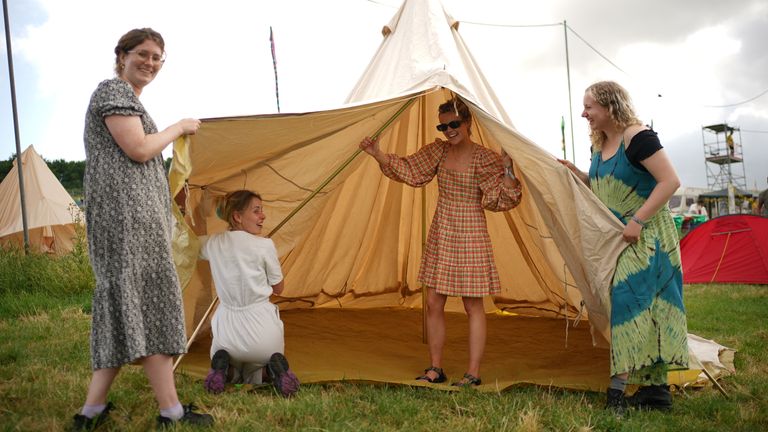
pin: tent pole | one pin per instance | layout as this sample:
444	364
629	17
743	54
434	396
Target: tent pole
19	165
570	103
339	169
424	330
424	306
197	330
714	381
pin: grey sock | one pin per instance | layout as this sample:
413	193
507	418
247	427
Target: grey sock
618	383
174	413
92	411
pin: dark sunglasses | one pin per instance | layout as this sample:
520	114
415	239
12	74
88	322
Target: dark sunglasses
442	127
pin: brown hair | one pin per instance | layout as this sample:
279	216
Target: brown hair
615	98
457	106
232	202
132	39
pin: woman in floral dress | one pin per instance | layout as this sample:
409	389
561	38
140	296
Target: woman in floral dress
137	307
458	258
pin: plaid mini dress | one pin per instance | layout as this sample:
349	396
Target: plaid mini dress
458	256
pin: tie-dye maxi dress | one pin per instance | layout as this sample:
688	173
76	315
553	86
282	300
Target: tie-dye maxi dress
648	323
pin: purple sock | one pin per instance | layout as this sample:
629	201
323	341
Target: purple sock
174	413
92	411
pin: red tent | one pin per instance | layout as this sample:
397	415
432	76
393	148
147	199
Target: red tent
727	249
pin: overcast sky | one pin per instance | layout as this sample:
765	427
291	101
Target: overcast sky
680	59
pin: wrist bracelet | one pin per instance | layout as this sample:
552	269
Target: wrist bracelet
638	221
509	173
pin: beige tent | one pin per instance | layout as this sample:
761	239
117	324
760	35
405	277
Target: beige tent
350	240
52	214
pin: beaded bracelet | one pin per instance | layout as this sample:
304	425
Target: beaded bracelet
509	173
638	221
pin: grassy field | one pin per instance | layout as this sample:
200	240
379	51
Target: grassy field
44	371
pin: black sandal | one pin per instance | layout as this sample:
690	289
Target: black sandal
441	378
468	381
83	423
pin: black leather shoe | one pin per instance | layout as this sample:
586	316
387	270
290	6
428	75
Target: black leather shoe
190	418
653	397
616	401
83	423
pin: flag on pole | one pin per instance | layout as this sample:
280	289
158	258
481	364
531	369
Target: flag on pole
274	65
562	132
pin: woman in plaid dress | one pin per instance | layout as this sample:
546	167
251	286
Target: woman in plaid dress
458	258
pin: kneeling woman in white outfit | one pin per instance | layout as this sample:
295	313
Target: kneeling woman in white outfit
247	330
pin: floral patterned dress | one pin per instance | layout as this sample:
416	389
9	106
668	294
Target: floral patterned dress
458	256
137	306
648	323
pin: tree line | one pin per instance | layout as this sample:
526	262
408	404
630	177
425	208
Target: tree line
69	173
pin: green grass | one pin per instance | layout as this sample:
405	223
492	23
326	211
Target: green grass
45	368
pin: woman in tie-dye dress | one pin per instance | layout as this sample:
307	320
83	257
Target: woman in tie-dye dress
632	175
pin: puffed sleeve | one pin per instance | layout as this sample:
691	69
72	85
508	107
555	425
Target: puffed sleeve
490	176
115	97
417	169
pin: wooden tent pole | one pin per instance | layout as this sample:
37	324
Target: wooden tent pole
197	330
424	306
714	381
424	330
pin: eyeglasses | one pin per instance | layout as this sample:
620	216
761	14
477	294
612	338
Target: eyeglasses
146	55
442	127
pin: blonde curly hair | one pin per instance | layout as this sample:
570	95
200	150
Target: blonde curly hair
615	98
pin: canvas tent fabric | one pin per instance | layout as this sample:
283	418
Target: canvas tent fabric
52	214
727	249
350	240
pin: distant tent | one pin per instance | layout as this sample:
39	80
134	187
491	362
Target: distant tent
723	193
727	249
51	211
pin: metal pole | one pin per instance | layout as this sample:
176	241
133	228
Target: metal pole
570	104
19	166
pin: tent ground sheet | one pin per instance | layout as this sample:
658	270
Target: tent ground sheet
385	345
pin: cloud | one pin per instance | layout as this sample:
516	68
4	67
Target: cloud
692	52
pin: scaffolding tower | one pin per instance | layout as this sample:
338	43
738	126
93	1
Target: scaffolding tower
723	156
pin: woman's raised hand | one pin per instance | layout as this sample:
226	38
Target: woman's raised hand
568	164
189	126
370	146
584	177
